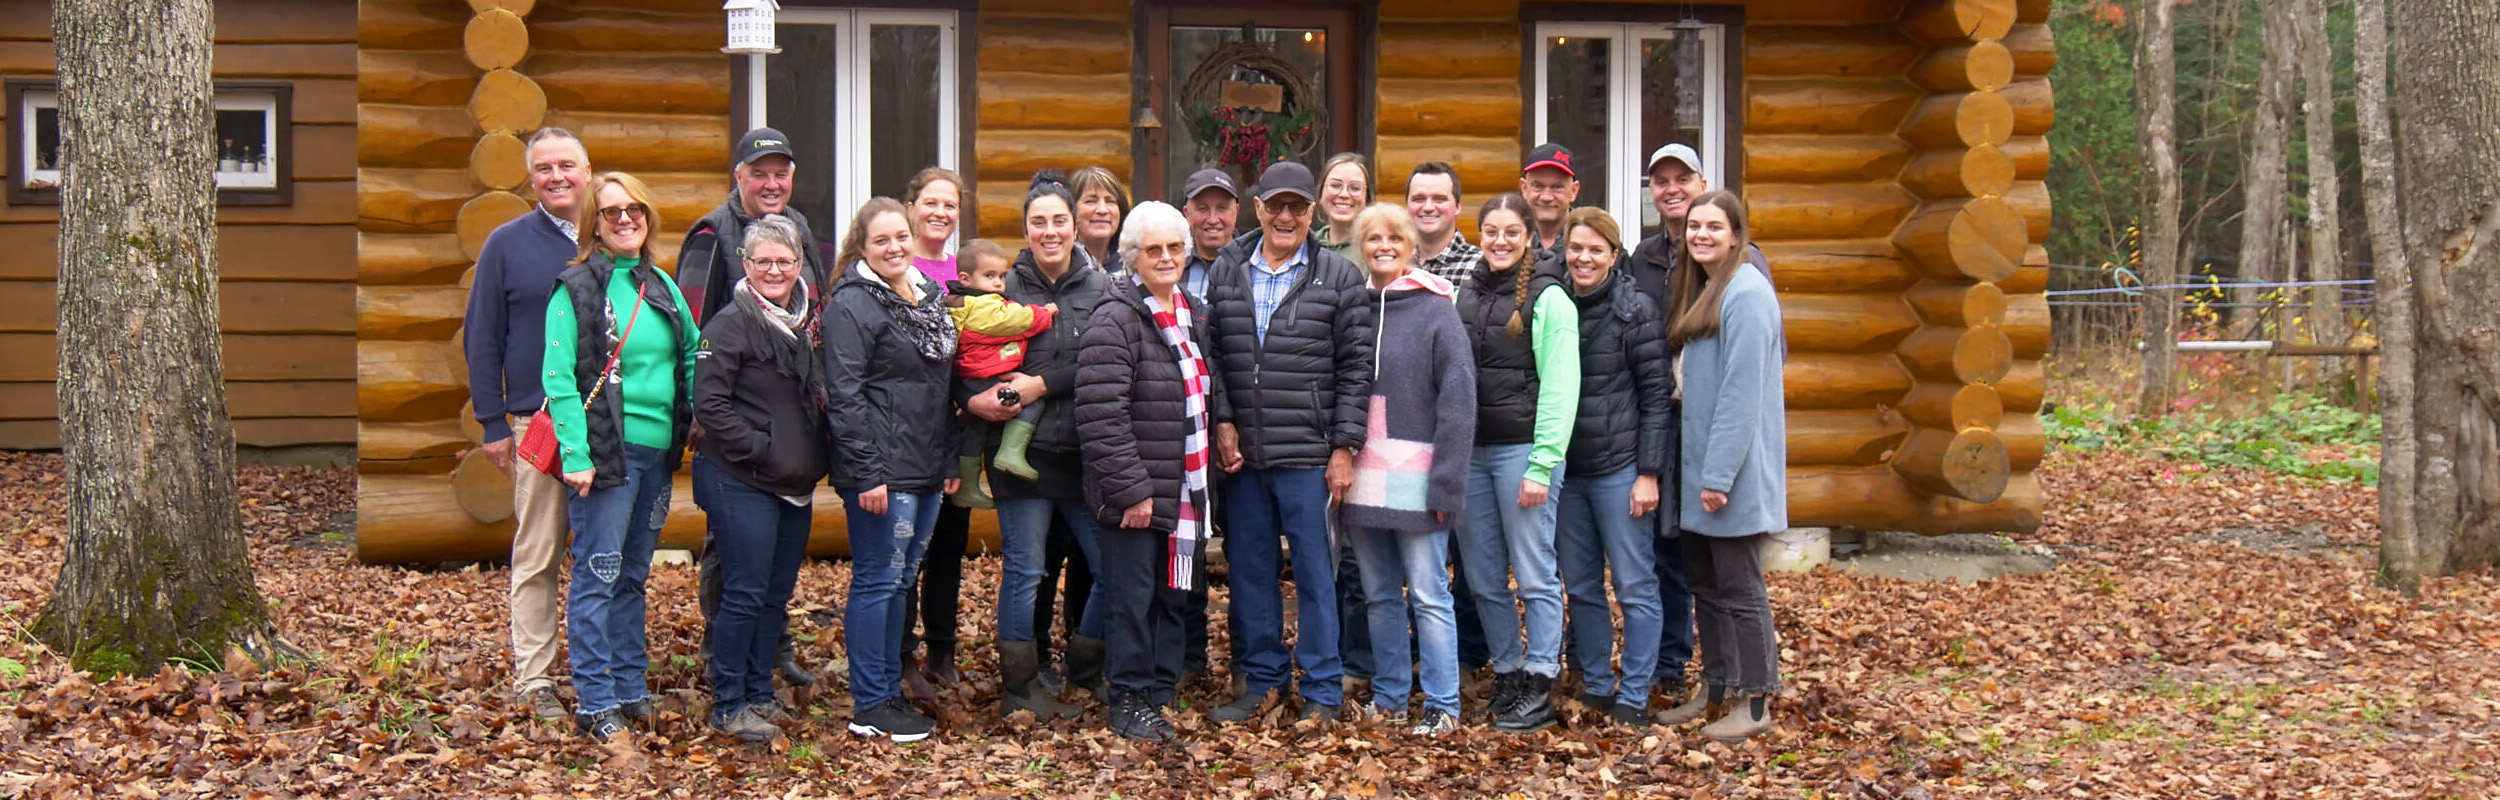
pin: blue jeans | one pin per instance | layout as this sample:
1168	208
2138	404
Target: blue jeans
1596	531
1395	563
1023	527
758	539
885	558
614	530
1675	602
1501	541
1270	506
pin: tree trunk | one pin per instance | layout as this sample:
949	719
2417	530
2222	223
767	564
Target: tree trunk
2326	254
155	564
2261	220
2447	103
2156	104
2394	299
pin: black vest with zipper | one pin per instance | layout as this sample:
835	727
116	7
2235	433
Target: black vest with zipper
1506	380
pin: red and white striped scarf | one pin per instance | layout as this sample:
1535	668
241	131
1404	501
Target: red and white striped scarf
1191	530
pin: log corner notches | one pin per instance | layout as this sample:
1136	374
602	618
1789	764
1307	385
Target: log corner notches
1963	239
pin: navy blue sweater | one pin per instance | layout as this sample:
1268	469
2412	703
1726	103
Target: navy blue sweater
506	333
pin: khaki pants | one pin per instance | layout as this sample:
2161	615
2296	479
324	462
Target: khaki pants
538	548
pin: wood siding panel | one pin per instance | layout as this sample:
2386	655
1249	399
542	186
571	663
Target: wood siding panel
1052	92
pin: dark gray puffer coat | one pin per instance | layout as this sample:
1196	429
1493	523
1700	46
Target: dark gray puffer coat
1130	408
1301	392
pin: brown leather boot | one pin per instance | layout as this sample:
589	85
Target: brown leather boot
915	683
1748	716
1707	704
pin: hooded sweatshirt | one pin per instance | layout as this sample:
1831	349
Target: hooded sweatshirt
1422	425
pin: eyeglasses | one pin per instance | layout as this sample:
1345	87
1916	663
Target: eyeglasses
773	264
636	212
1291	207
1344	186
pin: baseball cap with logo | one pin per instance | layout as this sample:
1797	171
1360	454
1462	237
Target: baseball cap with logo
759	143
1679	152
1553	155
1205	179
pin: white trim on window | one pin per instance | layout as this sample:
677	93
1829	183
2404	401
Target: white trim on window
1627	195
853	117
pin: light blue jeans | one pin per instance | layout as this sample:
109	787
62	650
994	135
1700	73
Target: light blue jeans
614	531
1395	563
1502	541
1023	526
885	559
1596	531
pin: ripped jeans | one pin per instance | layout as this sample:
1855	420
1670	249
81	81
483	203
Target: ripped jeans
614	530
885	558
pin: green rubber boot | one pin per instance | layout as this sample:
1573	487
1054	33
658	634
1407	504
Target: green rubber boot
972	494
1011	442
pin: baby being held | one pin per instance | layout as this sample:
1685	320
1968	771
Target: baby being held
994	332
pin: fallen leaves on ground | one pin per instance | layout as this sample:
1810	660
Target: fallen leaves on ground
2206	634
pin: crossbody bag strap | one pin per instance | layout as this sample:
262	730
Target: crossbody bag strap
620	353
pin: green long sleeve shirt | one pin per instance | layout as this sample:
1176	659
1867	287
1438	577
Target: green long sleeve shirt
646	375
1555	339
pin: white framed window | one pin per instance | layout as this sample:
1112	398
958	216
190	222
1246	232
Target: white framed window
250	142
1614	91
867	97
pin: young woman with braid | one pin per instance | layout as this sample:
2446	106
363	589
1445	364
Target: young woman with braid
1525	330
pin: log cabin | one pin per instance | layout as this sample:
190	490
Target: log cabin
1890	151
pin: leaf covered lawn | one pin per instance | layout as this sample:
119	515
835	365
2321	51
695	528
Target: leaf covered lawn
2206	634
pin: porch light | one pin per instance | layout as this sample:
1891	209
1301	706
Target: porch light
750	26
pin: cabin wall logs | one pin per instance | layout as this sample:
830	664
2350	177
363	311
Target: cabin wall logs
1892	154
286	272
1052	92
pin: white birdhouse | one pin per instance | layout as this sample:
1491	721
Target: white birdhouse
750	26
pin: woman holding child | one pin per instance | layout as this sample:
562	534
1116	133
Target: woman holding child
1052	271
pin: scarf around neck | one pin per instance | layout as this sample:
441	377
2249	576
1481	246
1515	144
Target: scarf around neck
926	323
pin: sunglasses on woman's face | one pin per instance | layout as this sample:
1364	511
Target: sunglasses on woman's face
636	212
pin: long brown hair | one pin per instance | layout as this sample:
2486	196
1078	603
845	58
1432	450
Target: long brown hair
1693	293
855	242
1518	207
586	217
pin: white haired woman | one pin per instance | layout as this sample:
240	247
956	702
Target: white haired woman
1145	401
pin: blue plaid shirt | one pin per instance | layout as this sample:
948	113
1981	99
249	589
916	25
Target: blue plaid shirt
1269	285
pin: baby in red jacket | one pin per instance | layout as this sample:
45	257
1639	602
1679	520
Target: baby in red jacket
993	332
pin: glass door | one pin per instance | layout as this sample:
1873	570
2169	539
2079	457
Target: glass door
1239	86
867	98
1614	92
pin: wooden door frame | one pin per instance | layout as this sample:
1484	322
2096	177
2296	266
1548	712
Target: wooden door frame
1353	78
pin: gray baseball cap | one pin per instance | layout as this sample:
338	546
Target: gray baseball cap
1205	179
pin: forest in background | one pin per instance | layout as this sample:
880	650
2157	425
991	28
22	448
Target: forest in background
2097	167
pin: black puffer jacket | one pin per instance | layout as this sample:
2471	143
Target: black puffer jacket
1626	380
1130	403
892	419
1052	354
1301	392
756	400
1506	381
587	284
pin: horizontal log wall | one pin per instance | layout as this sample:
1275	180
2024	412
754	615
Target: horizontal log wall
286	272
1052	93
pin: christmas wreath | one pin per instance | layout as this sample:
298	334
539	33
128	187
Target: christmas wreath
1248	136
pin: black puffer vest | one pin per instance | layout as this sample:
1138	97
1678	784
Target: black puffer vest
595	336
1506	381
1625	382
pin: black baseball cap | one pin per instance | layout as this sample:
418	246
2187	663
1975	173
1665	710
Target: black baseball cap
759	143
1205	179
1553	155
1287	176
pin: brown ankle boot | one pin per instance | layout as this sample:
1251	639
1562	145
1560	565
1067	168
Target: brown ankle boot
916	683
